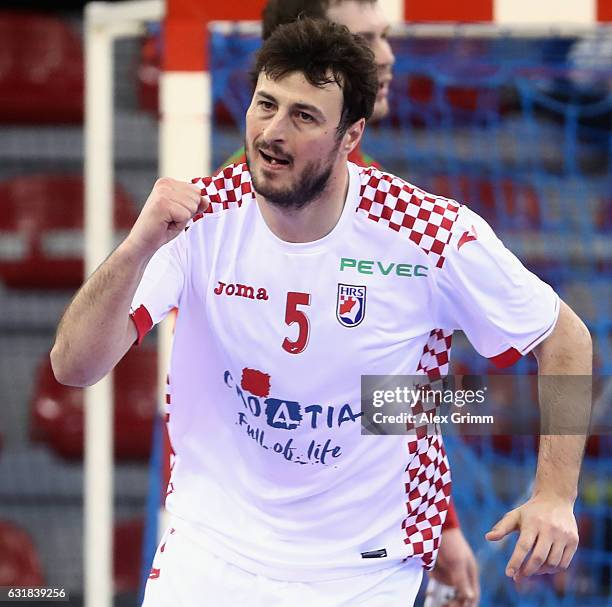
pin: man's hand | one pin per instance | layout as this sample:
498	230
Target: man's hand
168	209
548	536
456	566
96	331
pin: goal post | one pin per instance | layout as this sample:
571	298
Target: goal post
104	24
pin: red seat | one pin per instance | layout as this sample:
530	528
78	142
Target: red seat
57	411
41	69
19	562
127	551
41	226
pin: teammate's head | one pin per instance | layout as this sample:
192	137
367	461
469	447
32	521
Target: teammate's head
315	85
363	17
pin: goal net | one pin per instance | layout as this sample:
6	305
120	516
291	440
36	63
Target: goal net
516	123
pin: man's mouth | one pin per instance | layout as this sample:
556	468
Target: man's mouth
274	160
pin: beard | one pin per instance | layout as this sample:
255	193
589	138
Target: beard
306	187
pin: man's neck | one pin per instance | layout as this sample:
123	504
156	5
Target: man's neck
313	221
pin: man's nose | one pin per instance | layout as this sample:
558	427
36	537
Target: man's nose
383	53
276	128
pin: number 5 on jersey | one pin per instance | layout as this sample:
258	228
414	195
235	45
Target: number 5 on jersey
292	316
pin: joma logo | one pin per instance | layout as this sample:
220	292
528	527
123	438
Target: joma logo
239	290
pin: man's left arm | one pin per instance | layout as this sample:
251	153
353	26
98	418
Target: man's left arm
548	534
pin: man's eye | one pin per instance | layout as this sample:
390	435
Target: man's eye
368	37
266	105
305	117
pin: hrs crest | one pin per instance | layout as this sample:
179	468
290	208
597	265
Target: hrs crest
350	305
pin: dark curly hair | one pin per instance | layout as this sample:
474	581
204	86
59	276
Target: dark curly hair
324	52
279	12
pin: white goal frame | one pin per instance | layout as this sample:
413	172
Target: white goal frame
104	23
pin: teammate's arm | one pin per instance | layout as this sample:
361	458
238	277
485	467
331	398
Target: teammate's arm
548	535
456	567
96	330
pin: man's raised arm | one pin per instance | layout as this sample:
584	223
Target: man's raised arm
548	534
96	330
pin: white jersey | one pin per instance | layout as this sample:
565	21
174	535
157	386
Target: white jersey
271	471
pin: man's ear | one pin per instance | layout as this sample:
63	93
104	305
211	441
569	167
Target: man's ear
352	137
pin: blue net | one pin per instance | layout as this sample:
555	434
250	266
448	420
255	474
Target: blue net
519	127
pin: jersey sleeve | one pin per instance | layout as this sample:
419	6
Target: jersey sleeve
484	290
161	286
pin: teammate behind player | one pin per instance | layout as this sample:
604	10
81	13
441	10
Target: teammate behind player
276	496
363	17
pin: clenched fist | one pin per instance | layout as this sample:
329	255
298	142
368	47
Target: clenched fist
168	209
